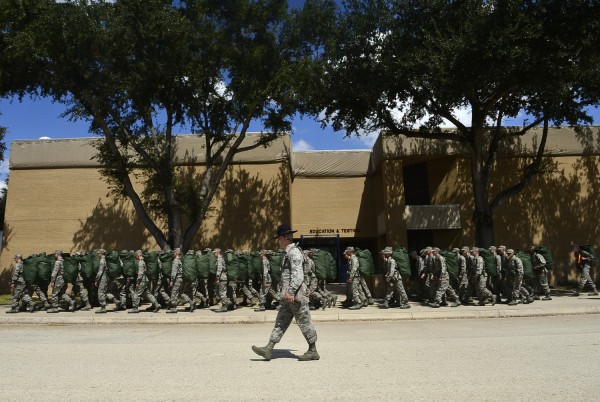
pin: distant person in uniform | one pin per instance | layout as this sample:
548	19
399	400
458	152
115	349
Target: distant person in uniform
584	265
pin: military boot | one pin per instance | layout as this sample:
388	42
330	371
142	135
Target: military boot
134	310
576	292
52	310
265	352
260	308
434	305
512	303
311	354
355	306
87	307
47	306
192	307
156	307
223	309
547	297
72	306
494	298
456	304
370	301
12	311
334	302
594	293
385	304
102	310
172	310
404	306
365	303
536	297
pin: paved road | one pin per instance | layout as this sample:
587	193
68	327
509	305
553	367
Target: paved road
516	359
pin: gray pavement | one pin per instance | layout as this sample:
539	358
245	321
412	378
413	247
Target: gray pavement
512	359
562	304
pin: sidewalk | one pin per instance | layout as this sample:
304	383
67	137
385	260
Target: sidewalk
561	304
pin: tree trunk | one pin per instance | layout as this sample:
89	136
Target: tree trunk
482	217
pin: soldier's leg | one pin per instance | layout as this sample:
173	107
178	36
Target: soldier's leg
282	322
223	294
301	313
175	293
365	288
135	295
233	286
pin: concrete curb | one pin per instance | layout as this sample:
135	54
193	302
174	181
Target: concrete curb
331	315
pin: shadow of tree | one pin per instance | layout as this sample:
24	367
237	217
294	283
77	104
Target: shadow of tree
250	204
113	226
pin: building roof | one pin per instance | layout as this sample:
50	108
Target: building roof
80	152
331	163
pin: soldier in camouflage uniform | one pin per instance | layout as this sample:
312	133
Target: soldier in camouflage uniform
515	271
464	265
310	280
425	275
393	280
584	265
139	289
353	279
440	280
58	285
481	278
540	273
265	286
102	282
80	289
496	281
18	287
221	281
176	284
294	302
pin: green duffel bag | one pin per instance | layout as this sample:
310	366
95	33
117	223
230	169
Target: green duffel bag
212	263
152	266
527	266
89	265
245	267
333	268
321	261
129	263
233	265
45	264
451	263
366	265
400	255
166	261
190	271
489	262
71	268
113	264
255	265
275	260
30	269
544	251
202	265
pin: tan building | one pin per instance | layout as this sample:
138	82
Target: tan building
412	193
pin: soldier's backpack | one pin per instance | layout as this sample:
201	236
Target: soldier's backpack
113	265
233	265
45	263
202	265
544	251
152	265
30	269
322	263
590	249
489	262
400	255
190	270
212	263
71	268
244	266
527	266
166	261
451	263
275	260
255	269
366	266
129	265
88	263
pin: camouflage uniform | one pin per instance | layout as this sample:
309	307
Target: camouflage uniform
463	277
584	265
59	286
541	275
441	281
483	293
496	281
310	280
354	282
292	278
222	282
19	289
176	289
80	289
139	289
515	270
394	282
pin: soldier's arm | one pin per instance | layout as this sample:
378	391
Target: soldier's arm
101	268
174	269
141	272
296	272
55	270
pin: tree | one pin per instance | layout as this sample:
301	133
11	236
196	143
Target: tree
406	67
137	69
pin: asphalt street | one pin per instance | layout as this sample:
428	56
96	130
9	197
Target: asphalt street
517	359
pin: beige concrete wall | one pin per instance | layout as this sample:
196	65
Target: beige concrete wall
70	209
393	200
334	205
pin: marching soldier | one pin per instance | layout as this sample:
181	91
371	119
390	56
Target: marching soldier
18	287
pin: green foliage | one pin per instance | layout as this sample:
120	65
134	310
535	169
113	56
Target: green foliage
138	69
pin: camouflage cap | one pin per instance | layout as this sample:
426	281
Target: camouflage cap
207	250
474	249
455	250
59	252
216	250
423	251
510	251
138	252
492	248
501	247
190	252
101	251
465	248
387	250
19	256
351	249
437	250
531	248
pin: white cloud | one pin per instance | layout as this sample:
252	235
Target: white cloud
4	169
302	145
45	138
369	139
3	185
